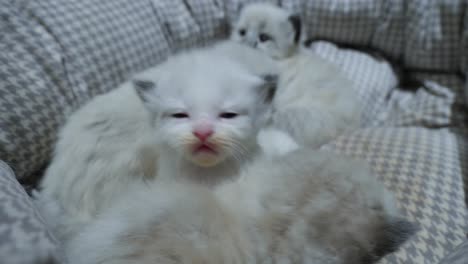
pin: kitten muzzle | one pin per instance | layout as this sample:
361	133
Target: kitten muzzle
205	148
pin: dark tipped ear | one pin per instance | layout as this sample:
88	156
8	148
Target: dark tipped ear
145	89
295	21
269	87
393	236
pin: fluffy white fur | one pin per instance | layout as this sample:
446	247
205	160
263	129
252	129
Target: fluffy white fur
103	147
305	207
315	102
114	140
217	94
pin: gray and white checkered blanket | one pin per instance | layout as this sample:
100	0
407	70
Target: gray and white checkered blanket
409	60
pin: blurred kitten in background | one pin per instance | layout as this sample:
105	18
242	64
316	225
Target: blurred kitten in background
315	102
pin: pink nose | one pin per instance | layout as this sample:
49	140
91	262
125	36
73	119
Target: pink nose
202	135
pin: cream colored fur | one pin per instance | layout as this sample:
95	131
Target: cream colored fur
315	102
104	146
111	142
303	207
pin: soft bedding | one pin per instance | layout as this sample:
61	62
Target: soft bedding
58	54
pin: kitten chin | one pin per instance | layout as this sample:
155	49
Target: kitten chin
206	159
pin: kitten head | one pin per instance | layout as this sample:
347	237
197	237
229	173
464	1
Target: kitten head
268	28
206	108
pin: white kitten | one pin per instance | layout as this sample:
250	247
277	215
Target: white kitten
206	122
315	101
306	207
113	141
103	147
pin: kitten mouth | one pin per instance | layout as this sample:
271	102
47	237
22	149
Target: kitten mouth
205	148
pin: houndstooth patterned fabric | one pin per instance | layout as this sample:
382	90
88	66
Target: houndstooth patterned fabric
23	236
94	36
58	54
33	89
459	256
191	23
424	169
419	34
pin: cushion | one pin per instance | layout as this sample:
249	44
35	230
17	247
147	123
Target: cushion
24	238
59	54
191	23
424	168
34	91
75	50
458	256
419	34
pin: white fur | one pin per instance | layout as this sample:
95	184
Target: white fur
315	102
275	142
264	18
212	84
114	140
306	207
251	59
103	147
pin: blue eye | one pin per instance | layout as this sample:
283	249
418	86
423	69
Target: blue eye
228	115
179	115
264	37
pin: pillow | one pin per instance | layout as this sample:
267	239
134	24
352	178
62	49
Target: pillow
424	168
34	93
24	237
59	55
190	23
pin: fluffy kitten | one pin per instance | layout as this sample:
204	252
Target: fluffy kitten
103	147
206	122
305	207
113	141
315	101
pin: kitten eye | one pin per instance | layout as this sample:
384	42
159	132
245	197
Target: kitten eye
264	37
179	115
228	115
242	32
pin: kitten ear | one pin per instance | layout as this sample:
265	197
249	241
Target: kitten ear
296	23
145	89
148	94
268	87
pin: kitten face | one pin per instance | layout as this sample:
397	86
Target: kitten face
206	110
268	28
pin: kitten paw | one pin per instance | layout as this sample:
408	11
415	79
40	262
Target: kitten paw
275	142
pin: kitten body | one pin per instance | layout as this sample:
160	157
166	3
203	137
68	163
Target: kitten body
315	101
103	147
315	104
116	139
305	207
